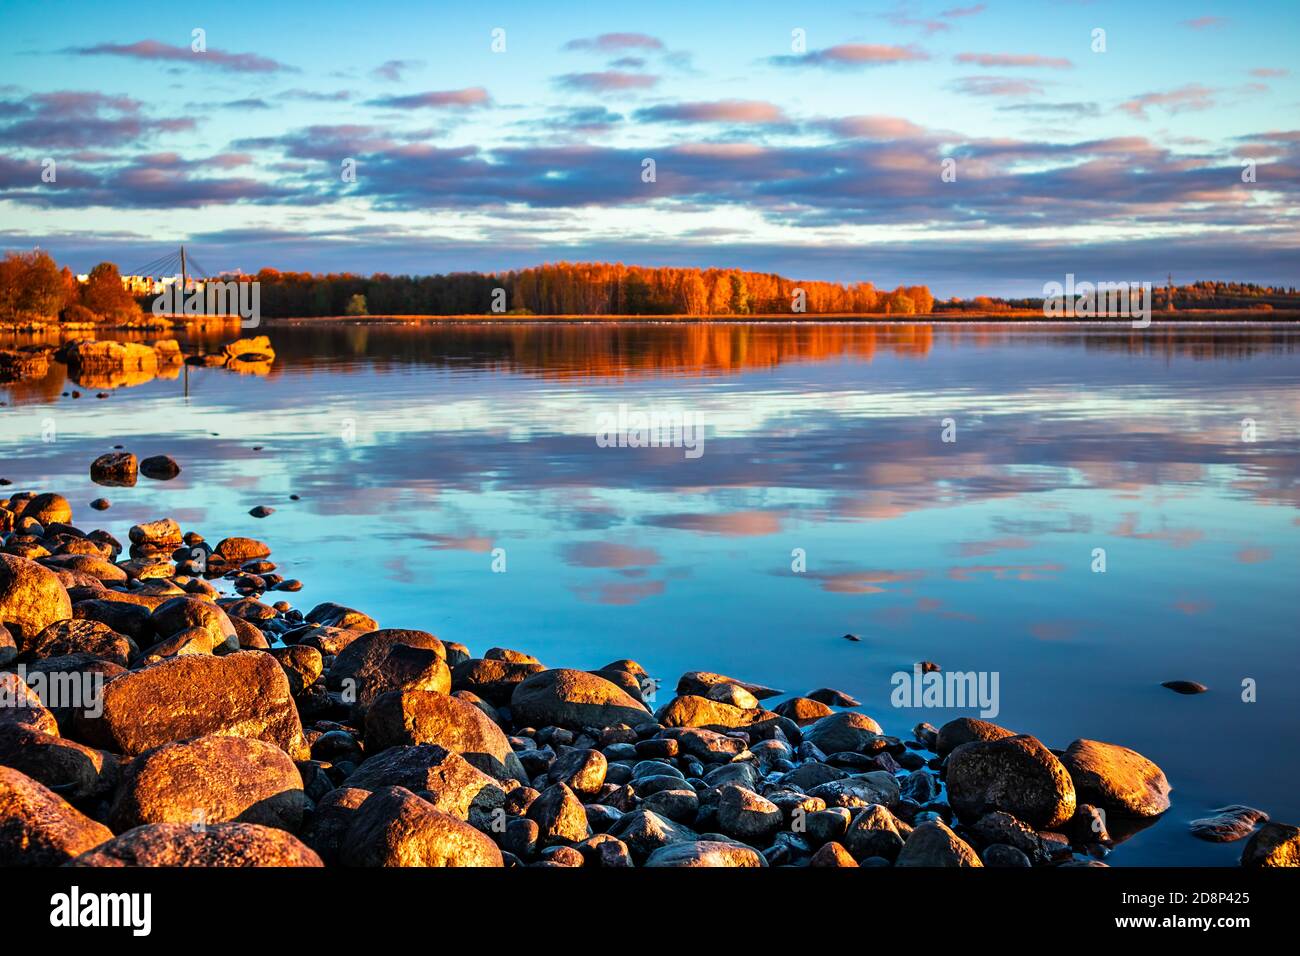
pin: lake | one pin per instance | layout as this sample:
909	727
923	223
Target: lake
940	491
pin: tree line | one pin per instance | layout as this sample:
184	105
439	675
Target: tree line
578	288
33	288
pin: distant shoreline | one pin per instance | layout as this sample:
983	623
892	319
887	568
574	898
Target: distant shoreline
1026	317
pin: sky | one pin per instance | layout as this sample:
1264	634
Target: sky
975	147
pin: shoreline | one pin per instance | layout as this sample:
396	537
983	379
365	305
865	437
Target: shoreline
320	738
1210	318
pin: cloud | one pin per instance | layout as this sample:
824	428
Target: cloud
607	554
954	13
1269	72
1080	110
468	98
733	524
997	86
392	71
861	582
756	112
615	43
155	50
1015	60
1205	23
1189	98
848	56
606	81
72	119
873	127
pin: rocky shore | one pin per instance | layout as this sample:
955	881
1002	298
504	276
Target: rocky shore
108	364
162	705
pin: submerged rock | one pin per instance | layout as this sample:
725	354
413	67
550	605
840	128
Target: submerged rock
1228	824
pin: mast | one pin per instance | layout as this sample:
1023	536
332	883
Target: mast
184	281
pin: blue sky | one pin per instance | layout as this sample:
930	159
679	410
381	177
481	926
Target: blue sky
823	162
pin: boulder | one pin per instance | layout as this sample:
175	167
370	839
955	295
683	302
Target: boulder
1228	824
31	597
329	613
1016	774
1272	845
859	790
445	779
494	681
182	613
160	468
691	711
803	710
244	694
21	706
745	815
874	831
211	779
1116	779
963	730
572	698
400	718
698	684
832	855
581	770
117	469
932	844
217	844
844	732
559	816
70	769
645	831
394	827
48	509
79	637
40	828
706	853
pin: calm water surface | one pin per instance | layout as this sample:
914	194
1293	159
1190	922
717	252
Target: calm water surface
418	451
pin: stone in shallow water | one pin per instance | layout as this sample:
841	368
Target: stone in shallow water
1228	823
1116	779
699	683
1273	845
1185	686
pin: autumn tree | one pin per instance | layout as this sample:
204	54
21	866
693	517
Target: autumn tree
105	295
31	286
